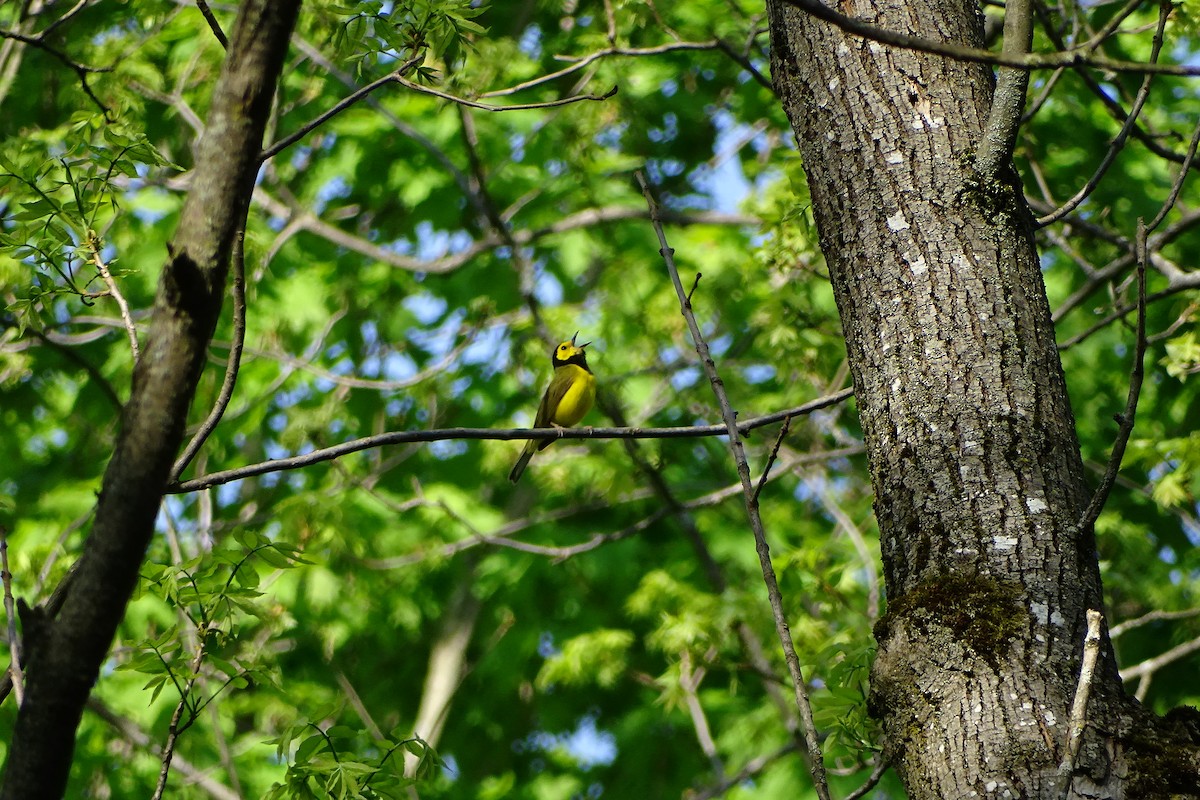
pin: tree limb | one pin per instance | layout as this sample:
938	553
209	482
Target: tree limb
1136	374
64	663
1004	118
1071	58
505	434
234	362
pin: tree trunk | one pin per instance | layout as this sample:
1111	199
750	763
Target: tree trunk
974	461
65	654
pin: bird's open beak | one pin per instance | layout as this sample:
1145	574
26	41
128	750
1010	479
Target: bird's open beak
580	346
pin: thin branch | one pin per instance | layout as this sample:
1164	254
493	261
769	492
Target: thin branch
416	87
437	435
1070	58
816	761
1191	281
1078	721
876	775
439	367
490	215
81	70
211	19
820	488
317	57
340	106
94	245
1118	143
359	707
783	431
680	511
1146	619
689	682
1136	373
68	15
752	768
106	387
579	62
1004	118
1188	220
10	612
307	221
238	257
1152	665
1046	92
1169	203
175	728
1147	138
129	730
744	62
501	537
46	612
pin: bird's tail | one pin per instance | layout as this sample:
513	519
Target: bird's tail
519	467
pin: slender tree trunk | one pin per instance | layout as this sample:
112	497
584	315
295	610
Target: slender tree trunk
974	461
65	654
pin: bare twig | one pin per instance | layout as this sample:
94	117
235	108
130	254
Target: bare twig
582	61
1182	283
44	613
1118	142
1169	203
136	736
752	768
238	256
582	219
359	707
1078	721
816	763
211	19
743	61
416	87
340	106
402	127
66	17
821	489
689	681
1136	373
491	215
501	536
176	728
1146	619
81	70
304	362
1150	139
1076	57
437	435
681	511
105	386
876	774
94	245
783	431
1152	665
10	612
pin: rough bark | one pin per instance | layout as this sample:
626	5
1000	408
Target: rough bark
65	654
970	437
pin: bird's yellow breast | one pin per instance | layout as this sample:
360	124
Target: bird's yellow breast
579	395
